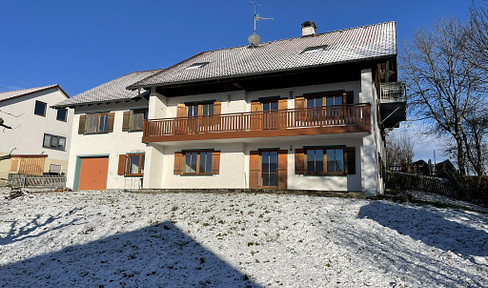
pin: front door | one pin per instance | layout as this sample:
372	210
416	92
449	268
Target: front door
268	169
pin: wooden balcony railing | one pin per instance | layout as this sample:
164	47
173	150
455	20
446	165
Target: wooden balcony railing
308	121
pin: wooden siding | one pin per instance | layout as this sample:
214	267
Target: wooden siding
286	122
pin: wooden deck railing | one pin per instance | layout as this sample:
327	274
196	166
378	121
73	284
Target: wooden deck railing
345	118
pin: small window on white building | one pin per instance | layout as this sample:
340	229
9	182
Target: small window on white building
40	108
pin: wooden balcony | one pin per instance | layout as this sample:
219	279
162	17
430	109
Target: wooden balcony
290	122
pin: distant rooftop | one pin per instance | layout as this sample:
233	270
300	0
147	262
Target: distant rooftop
110	91
348	45
18	93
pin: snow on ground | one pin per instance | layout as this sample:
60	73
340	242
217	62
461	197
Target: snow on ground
121	239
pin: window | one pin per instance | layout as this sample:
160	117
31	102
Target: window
54	142
135	165
314	49
196	65
202	109
40	108
325	161
61	114
197	162
134	119
97	123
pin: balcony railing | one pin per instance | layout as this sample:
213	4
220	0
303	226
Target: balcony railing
393	92
309	121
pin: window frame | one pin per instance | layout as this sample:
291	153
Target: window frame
144	117
325	167
51	141
44	109
208	162
141	164
65	114
98	115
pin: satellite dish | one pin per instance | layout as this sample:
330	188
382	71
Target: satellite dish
254	40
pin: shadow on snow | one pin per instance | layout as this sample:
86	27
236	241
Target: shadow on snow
433	229
156	256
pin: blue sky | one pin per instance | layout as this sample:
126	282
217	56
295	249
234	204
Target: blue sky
82	44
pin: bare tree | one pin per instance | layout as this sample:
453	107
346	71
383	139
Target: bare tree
477	37
443	85
399	151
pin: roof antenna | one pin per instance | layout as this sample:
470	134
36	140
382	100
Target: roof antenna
254	39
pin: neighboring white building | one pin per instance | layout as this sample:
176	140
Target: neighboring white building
39	139
306	113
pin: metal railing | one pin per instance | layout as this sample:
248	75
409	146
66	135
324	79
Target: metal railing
46	181
393	92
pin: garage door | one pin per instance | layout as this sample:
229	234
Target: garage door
93	173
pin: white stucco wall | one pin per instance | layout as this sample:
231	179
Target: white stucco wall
111	144
28	131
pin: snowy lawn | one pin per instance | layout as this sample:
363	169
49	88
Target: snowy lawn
121	239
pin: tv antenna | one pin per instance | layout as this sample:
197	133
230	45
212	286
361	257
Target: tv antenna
254	39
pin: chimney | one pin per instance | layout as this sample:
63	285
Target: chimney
308	28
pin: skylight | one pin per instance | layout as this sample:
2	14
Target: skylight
314	49
197	65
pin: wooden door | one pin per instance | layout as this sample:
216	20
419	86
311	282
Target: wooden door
93	173
268	169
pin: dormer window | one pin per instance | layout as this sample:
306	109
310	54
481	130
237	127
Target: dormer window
197	65
314	49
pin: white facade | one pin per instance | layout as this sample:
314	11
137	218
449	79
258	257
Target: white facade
28	129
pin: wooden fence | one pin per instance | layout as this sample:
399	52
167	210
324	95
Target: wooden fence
405	181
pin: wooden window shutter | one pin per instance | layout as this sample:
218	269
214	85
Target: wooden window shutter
177	166
254	170
217	109
282	104
300	104
121	169
255	106
256	118
81	126
350	160
126	121
110	124
299	162
180	110
215	162
282	169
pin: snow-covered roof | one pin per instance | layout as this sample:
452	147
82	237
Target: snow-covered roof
355	44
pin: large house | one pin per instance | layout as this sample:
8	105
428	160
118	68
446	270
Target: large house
306	113
39	136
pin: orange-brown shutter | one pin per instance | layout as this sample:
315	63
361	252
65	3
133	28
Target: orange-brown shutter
180	110
126	121
110	124
282	169
256	118
177	166
121	170
299	162
81	126
282	115
254	170
215	162
217	110
299	108
350	160
255	106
